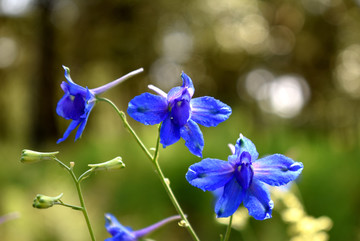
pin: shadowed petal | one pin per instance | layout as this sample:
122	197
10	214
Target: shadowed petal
193	137
277	169
180	112
71	107
82	126
71	127
210	174
230	200
208	111
169	132
148	109
257	201
187	83
244	144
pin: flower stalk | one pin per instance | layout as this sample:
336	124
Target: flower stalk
81	198
228	229
154	161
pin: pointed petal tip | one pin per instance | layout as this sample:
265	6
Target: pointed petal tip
296	166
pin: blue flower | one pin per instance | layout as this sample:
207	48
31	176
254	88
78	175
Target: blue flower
179	114
78	101
243	178
122	233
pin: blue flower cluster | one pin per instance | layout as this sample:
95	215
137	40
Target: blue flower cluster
243	178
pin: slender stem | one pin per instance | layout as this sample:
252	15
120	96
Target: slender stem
69	205
166	184
228	230
81	199
128	127
154	161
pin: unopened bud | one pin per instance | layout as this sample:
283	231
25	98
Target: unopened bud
42	201
115	163
28	156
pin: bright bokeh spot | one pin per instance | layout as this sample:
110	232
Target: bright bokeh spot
8	52
284	96
14	7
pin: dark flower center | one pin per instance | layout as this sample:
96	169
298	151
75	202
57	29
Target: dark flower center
180	111
244	172
77	108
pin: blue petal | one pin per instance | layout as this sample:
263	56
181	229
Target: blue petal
187	83
257	201
148	109
67	74
175	93
193	137
118	231
210	174
244	144
208	111
81	127
72	87
71	127
169	132
277	169
230	200
71	107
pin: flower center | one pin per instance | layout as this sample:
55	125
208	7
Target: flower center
180	111
244	172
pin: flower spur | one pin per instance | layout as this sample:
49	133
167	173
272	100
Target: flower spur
78	101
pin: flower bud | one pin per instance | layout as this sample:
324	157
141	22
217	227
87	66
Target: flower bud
28	156
42	201
115	163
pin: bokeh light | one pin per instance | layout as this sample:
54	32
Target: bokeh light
15	7
284	96
347	72
8	51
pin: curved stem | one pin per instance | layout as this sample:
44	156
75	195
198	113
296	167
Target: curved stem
128	127
81	199
85	175
154	160
228	230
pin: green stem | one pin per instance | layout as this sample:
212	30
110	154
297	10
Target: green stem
154	160
81	199
69	205
128	127
228	230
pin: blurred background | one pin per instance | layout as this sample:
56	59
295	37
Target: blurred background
289	69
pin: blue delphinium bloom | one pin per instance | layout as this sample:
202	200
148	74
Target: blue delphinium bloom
243	178
179	114
78	101
122	233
